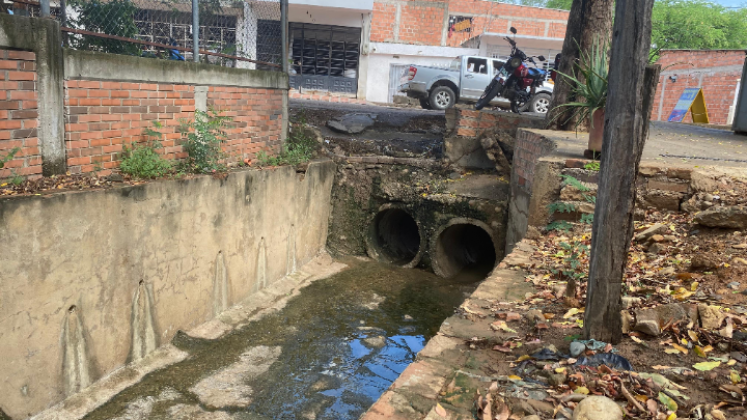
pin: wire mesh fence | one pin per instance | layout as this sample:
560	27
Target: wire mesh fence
234	33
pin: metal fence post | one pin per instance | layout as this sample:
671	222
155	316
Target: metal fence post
196	30
44	8
284	34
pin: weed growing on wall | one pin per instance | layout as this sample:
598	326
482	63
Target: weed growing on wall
14	179
8	156
561	207
298	148
142	160
203	140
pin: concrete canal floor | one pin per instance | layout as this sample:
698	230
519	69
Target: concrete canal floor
329	353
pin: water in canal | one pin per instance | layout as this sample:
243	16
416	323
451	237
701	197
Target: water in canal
329	354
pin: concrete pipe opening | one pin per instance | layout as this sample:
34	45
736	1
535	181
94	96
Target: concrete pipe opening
464	248
395	238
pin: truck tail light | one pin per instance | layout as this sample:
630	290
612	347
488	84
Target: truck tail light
412	72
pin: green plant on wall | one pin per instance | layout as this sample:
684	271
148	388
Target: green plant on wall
142	160
204	137
8	156
564	207
14	179
298	148
112	17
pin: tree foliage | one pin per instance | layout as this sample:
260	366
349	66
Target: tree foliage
559	4
113	17
684	24
697	24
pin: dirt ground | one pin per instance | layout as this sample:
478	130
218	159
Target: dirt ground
703	367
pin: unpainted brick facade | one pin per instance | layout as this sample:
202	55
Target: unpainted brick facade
426	22
256	119
716	72
103	117
18	114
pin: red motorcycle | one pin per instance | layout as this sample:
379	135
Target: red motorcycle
514	81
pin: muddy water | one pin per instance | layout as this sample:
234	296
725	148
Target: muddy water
329	354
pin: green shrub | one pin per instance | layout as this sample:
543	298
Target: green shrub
298	148
141	160
204	137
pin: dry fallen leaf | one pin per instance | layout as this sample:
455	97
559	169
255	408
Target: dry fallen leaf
681	349
440	410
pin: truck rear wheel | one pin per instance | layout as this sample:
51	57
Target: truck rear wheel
540	103
425	104
442	97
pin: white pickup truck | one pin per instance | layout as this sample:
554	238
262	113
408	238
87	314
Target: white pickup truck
464	81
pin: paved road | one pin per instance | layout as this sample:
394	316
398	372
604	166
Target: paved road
694	144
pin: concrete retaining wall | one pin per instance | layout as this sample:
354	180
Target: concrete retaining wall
82	271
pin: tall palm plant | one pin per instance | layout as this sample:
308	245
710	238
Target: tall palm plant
589	84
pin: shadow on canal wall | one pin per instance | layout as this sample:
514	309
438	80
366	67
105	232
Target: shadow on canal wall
92	280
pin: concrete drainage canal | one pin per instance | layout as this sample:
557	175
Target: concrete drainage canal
330	351
328	354
328	346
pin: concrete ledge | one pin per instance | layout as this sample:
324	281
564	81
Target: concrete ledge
101	66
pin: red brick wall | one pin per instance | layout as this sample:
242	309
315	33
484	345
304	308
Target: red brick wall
18	113
421	25
256	119
102	117
382	22
716	72
422	22
467	123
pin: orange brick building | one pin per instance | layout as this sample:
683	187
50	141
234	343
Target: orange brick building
396	33
717	72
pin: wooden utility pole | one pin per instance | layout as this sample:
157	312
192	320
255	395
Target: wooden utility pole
588	21
626	125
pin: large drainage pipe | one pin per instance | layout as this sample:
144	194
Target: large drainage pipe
463	245
394	237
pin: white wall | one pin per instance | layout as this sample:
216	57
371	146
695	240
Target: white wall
383	55
366	5
325	15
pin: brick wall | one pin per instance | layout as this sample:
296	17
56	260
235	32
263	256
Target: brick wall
256	119
422	22
382	22
102	117
716	72
324	96
18	113
467	123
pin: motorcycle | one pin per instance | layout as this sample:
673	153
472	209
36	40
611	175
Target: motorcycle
554	72
514	81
